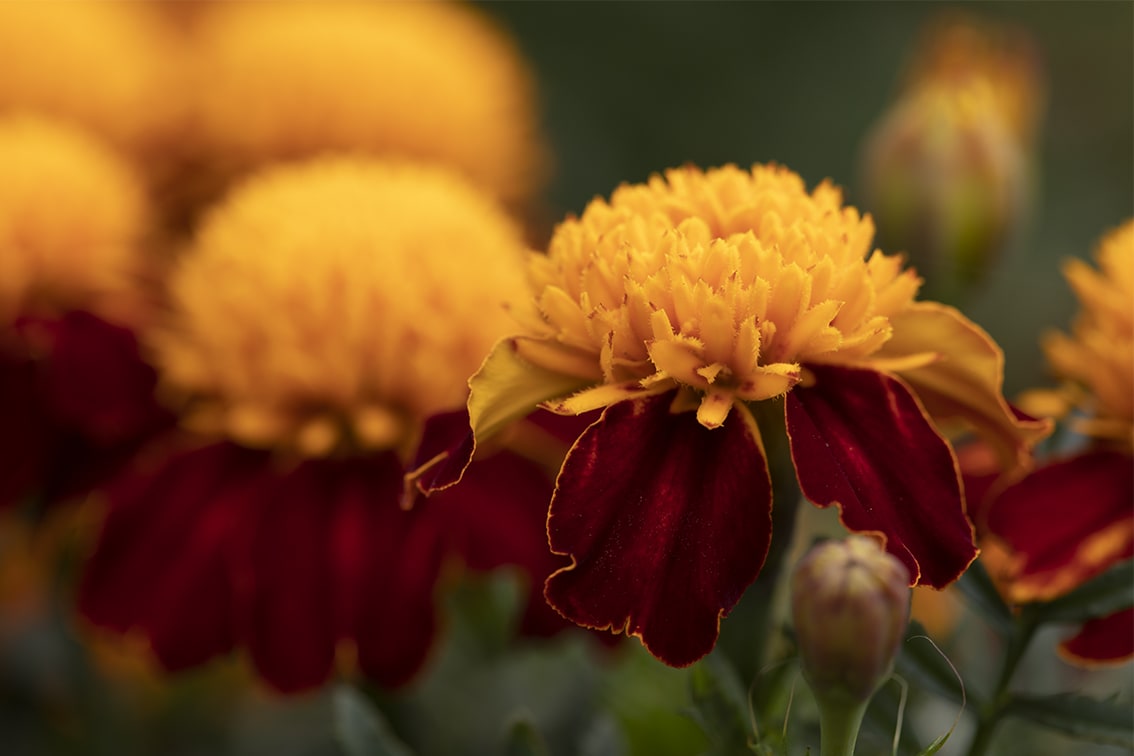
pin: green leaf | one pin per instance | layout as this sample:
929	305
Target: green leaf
1108	722
936	745
923	666
978	588
1106	594
359	728
524	739
720	705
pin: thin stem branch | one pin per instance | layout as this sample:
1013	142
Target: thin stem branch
990	715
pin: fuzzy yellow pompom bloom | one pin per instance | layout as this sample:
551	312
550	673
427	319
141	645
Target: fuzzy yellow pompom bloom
109	66
72	219
334	305
721	281
427	81
1098	355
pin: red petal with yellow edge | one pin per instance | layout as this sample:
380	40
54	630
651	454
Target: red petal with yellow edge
1066	522
667	523
965	383
861	441
445	450
1105	640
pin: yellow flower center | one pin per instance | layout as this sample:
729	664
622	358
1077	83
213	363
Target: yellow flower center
1099	353
723	282
333	306
71	220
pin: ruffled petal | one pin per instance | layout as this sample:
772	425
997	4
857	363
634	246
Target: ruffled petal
966	382
288	612
666	522
1065	523
445	450
1102	641
861	441
164	558
25	432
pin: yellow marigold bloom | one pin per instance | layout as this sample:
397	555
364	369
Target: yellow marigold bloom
675	307
1097	357
316	309
735	279
427	81
72	219
108	66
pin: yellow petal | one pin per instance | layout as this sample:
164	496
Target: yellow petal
604	396
507	387
967	381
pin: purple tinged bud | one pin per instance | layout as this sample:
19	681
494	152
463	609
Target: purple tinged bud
851	606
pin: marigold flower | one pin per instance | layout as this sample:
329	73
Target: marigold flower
321	329
107	66
1088	493
675	306
74	394
426	81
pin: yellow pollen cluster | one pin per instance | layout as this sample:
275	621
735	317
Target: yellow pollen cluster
72	217
106	65
1099	353
421	80
722	281
332	306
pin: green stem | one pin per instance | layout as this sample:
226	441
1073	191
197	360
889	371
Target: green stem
990	715
839	721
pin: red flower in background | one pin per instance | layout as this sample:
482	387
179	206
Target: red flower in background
319	336
1073	518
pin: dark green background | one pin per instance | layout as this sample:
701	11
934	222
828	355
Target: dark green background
631	88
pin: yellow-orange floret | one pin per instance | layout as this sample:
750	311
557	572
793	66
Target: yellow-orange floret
1098	355
723	282
334	305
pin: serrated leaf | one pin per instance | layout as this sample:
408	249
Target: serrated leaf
1108	722
523	739
1106	594
921	663
981	594
360	729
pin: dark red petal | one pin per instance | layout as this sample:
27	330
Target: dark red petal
667	523
162	563
861	441
1067	522
26	432
497	517
444	452
289	621
396	614
1105	640
98	383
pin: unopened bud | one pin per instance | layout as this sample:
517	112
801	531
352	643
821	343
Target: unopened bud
851	604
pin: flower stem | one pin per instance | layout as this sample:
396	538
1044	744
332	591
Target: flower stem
839	722
990	715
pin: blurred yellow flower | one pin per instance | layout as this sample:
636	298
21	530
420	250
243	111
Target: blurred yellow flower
72	221
427	81
1097	357
317	307
108	66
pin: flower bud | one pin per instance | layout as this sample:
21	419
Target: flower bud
851	604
